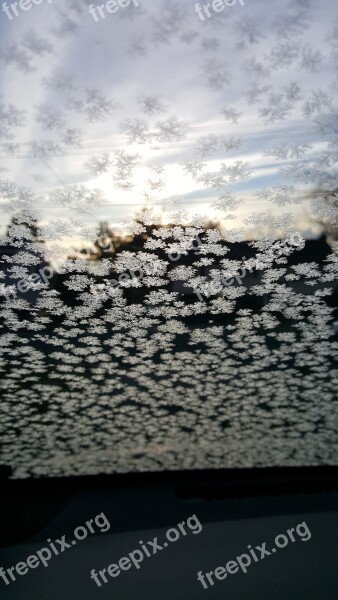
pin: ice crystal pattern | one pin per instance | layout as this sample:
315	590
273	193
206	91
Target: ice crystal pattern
175	182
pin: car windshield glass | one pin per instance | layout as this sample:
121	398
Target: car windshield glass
169	235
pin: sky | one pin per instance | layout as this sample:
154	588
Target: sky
155	82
